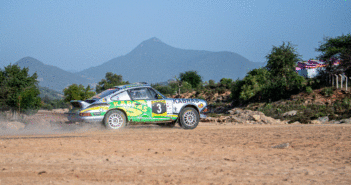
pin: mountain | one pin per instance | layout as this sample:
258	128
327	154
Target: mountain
51	94
50	76
154	61
151	61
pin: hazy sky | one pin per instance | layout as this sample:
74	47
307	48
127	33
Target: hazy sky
81	34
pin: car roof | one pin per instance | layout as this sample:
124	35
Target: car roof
133	85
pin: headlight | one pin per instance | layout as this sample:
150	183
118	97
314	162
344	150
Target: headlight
205	110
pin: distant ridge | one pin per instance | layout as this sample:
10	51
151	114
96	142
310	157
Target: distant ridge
154	61
151	61
50	76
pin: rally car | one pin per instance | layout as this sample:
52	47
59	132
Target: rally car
138	102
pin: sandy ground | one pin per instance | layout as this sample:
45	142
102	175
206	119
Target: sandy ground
209	154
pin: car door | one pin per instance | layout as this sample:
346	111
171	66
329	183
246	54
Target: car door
161	108
141	105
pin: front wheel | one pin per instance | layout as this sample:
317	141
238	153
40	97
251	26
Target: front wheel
115	119
189	118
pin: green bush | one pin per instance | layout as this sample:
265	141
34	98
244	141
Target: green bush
226	83
212	84
221	90
328	91
191	77
164	89
47	106
309	90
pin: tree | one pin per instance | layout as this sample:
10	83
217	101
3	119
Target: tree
77	92
19	91
282	60
2	91
226	82
191	77
338	48
110	81
164	89
211	83
277	80
251	85
284	80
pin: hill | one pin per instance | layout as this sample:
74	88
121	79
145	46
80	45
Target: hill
151	61
51	94
50	76
154	61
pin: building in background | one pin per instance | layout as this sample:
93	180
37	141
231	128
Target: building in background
311	68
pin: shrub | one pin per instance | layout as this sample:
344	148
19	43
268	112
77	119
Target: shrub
212	84
192	77
221	90
328	91
226	82
47	106
309	89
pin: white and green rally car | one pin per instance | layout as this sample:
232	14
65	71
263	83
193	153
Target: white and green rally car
137	102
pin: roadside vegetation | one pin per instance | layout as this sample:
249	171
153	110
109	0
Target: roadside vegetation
19	91
273	89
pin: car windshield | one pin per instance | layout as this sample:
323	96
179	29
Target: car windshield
160	94
103	94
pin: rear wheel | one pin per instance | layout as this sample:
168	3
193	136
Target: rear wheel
115	119
189	118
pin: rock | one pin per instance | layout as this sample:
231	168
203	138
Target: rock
316	122
235	119
269	120
256	117
220	98
41	172
208	119
323	119
222	119
346	121
240	116
15	125
235	111
290	113
281	146
334	122
295	123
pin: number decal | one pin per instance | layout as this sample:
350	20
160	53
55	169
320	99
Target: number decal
159	108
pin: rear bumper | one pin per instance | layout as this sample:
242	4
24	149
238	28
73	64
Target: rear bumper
73	117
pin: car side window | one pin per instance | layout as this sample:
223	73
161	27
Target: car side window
153	93
123	96
140	94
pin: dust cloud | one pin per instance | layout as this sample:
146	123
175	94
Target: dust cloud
42	123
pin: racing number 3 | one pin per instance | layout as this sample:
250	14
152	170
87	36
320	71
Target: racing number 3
159	108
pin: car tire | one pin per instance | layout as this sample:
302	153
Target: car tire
189	118
115	119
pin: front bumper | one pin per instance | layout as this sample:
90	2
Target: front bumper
203	112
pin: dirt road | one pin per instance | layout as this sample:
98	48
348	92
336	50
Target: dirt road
210	154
